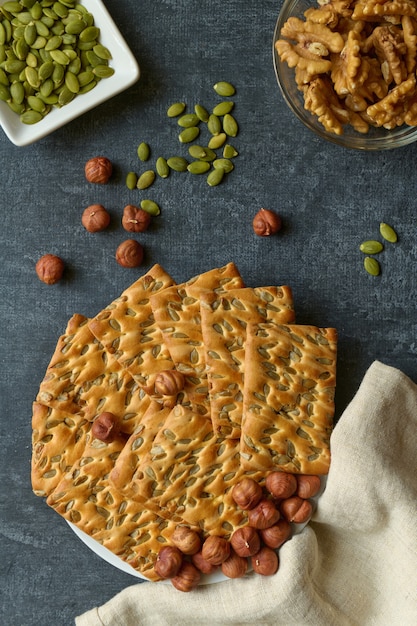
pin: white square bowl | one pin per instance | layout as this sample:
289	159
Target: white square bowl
126	73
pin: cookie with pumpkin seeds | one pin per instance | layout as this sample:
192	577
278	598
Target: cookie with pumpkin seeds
58	440
288	402
224	318
127	329
130	529
82	377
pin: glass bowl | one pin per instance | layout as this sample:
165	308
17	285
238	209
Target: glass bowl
375	139
126	74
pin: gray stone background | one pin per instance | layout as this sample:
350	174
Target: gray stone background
330	199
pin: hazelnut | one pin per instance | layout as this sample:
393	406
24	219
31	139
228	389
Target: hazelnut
129	253
98	170
187	577
168	562
265	514
95	218
266	223
280	484
247	493
186	540
50	268
296	509
265	562
169	382
201	564
308	485
234	566
215	549
135	220
105	427
245	541
276	535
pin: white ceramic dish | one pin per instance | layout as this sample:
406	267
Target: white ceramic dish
114	560
126	73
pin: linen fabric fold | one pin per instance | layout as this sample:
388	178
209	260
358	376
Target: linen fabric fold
355	564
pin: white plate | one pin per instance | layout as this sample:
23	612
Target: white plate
112	559
126	73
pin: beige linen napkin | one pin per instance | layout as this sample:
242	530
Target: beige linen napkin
354	564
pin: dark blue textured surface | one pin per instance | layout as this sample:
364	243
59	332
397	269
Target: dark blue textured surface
330	200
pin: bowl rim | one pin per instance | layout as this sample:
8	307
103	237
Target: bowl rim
127	73
359	142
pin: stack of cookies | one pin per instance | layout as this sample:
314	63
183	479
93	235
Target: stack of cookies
204	383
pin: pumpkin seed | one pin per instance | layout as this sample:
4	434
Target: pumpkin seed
217	141
201	113
103	71
91	33
36	103
102	52
4	92
146	179
371	247
189	134
388	233
131	180
198	167
197	152
223	107
143	151
230	125
17	92
214	124
65	96
71	81
215	177
372	266
31	117
150	207
225	164
223	88
229	151
178	163
162	167
176	109
187	120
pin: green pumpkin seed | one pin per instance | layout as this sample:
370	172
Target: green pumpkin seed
189	134
198	167
46	70
150	207
176	109
30	34
223	107
371	247
103	71
2	34
42	29
14	66
131	180
91	33
162	167
59	57
85	77
53	43
177	163
388	233
143	151
36	103
187	120
209	156
215	177
229	151
230	125
4	92
31	117
65	96
71	82
102	52
372	266
46	88
88	87
3	77
223	88
146	179
224	164
12	7
15	107
197	152
32	77
201	113
17	92
75	26
217	141
214	124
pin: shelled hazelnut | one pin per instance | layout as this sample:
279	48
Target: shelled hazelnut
98	170
296	510
169	382
265	562
247	493
276	535
105	427
187	577
186	540
245	541
201	564
135	220
168	562
281	484
266	222
308	485
129	253
265	514
234	566
50	269
95	218
215	549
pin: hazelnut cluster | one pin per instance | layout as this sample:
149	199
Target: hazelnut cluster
271	511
